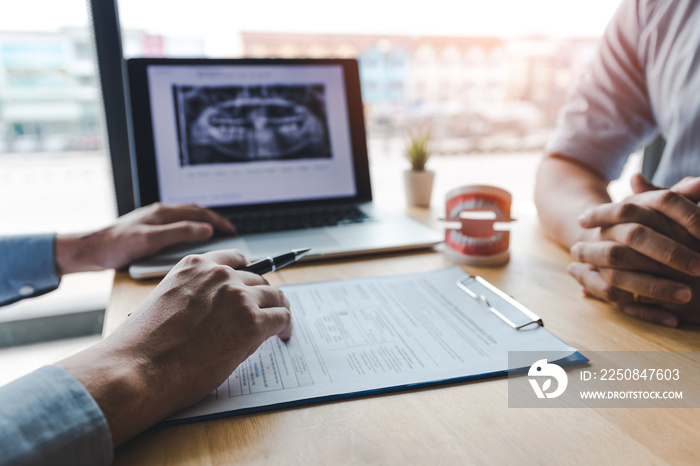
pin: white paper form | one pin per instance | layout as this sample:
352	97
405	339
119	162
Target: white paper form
370	334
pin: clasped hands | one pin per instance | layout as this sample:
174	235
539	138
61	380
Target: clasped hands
643	254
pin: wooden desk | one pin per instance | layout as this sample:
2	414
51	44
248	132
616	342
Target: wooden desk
456	424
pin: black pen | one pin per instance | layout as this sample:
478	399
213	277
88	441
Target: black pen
270	264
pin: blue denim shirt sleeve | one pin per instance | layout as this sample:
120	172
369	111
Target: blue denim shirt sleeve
47	417
26	267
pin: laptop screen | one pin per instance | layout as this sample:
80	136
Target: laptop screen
242	134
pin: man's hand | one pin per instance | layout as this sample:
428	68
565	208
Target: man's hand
642	254
193	330
137	234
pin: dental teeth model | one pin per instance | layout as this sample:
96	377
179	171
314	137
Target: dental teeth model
476	232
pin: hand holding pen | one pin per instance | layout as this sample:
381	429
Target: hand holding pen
270	264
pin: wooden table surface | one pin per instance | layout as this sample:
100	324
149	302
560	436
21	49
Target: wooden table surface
455	424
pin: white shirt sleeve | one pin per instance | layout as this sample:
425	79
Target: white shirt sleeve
607	114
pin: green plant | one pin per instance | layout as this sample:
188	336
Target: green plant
417	151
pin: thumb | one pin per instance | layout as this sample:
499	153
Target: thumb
640	184
689	187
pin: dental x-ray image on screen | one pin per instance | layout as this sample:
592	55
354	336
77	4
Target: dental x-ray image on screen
233	124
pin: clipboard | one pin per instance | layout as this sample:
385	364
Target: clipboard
450	327
481	292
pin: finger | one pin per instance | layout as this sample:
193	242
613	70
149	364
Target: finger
170	214
606	215
680	207
640	184
650	313
647	285
682	184
614	213
276	321
665	211
588	294
595	285
613	254
654	245
689	187
231	257
268	296
251	279
160	236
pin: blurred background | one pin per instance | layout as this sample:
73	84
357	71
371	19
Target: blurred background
488	77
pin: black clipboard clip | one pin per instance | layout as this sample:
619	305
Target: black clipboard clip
534	318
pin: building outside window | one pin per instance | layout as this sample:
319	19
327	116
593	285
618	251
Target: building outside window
462	67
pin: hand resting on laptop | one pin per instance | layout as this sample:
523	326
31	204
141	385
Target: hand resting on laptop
135	235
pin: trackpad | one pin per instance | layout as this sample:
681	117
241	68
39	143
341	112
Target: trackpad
273	243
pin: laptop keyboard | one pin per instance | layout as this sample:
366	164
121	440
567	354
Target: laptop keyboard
297	219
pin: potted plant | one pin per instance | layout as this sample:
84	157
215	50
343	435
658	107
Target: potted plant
418	181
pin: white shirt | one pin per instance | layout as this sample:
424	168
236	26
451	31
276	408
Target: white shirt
644	80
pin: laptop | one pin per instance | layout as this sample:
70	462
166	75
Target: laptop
278	146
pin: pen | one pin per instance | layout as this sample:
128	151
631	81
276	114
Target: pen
270	264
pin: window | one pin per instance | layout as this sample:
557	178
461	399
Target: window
54	172
83	50
433	52
50	113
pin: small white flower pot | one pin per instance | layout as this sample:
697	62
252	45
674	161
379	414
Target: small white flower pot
419	187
